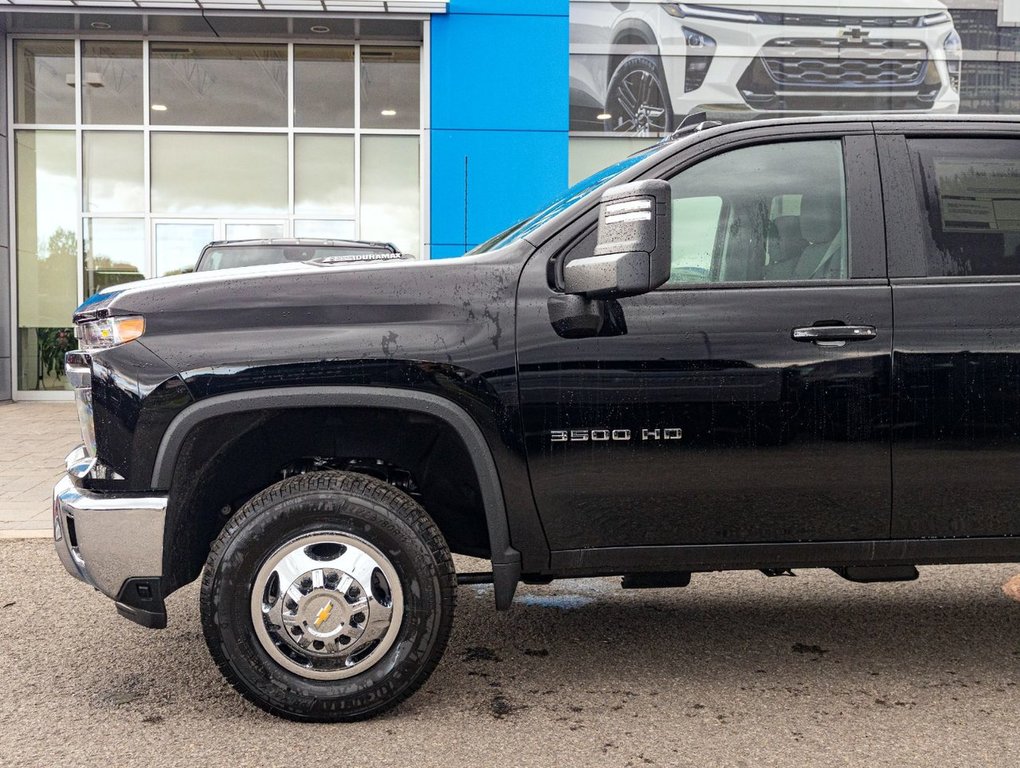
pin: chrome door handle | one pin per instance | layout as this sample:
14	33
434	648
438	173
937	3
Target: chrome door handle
834	335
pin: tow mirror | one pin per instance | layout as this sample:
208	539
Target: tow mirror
632	253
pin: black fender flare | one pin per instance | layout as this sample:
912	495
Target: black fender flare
506	561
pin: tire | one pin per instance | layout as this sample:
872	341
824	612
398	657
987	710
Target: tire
287	638
638	98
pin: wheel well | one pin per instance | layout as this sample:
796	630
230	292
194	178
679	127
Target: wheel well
419	453
634	33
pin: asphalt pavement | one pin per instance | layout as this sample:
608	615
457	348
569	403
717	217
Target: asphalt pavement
737	669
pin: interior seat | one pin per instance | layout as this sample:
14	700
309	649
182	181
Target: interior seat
820	247
821	224
785	245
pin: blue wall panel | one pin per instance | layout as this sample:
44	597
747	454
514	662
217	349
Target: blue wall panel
510	174
511	7
500	72
499	85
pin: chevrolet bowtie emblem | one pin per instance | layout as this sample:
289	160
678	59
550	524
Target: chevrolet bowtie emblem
323	614
854	34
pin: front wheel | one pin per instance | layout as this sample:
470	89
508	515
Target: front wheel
637	99
328	597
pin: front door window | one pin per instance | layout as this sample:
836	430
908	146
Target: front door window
784	220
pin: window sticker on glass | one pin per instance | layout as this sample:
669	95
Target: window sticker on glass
979	195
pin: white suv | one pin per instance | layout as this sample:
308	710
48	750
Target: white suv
638	67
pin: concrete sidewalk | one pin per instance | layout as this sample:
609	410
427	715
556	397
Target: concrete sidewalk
34	439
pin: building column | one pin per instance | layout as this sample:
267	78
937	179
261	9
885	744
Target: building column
499	116
6	287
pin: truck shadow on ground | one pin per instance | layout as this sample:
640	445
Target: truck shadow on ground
733	632
909	626
737	631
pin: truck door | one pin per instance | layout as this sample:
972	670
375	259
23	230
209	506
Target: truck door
955	272
747	400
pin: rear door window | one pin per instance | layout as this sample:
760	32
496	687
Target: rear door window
969	192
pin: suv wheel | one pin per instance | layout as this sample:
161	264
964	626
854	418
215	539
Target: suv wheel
638	99
329	596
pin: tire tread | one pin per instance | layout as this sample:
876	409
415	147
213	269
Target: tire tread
370	489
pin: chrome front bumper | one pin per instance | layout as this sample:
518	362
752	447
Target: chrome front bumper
105	539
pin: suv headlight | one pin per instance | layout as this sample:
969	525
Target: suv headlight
930	20
953	47
698	11
109	332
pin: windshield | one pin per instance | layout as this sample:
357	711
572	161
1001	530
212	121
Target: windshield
526	226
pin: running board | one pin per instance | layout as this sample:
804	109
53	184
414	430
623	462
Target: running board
475	578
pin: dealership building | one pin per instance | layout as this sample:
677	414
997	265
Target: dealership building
135	131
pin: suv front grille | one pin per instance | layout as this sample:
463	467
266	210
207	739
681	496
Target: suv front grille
842	73
834	64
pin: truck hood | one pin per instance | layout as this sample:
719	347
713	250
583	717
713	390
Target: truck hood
129	298
309	314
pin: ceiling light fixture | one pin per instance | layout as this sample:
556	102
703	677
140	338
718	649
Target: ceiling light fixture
99	25
319	29
603	116
388	112
159	107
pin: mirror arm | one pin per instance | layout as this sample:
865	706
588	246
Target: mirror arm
574	316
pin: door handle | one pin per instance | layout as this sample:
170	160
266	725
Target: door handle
834	335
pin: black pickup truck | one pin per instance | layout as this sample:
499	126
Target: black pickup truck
786	344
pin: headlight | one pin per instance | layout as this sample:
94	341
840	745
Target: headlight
932	19
694	11
953	47
109	332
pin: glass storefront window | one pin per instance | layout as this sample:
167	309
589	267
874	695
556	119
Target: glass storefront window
114	252
390	87
328	229
44	82
124	169
589	154
253	230
112	75
46	192
390	200
178	244
324	86
218	84
219	173
324	175
113	167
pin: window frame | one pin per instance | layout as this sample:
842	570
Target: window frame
905	218
865	251
866	226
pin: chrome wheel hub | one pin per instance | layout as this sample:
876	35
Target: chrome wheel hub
327	606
